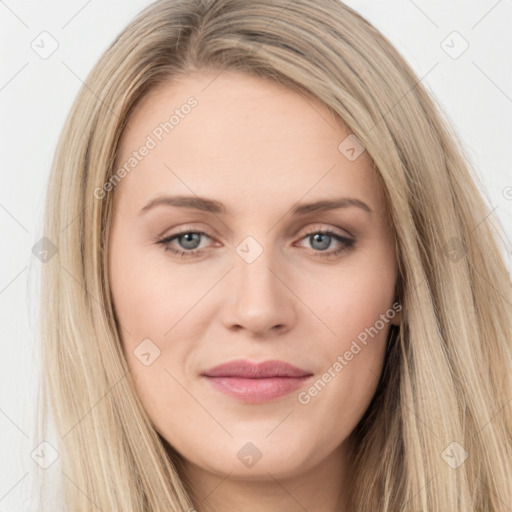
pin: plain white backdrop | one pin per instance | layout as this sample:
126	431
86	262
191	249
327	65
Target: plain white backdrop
460	49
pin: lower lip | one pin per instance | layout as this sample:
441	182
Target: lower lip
257	390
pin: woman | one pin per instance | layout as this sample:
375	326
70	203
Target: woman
277	284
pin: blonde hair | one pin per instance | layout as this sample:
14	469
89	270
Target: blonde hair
445	377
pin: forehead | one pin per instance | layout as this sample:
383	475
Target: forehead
245	139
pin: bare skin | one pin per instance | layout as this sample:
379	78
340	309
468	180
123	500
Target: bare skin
260	149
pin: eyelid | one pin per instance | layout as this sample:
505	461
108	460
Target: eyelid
186	228
321	226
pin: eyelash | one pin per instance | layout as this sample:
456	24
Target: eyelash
347	243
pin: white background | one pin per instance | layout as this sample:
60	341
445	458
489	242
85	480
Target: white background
475	90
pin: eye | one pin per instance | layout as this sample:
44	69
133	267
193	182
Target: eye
320	240
188	239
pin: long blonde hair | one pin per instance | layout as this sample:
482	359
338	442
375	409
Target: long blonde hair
437	436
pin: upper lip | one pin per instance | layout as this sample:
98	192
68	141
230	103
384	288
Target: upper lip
250	370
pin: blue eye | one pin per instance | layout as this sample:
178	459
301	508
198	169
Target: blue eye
190	240
323	240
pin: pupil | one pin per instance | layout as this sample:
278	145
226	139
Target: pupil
318	236
190	244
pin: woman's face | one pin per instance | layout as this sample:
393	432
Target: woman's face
259	276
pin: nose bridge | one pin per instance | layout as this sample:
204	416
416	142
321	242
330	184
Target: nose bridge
255	277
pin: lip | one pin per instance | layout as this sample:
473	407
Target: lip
256	382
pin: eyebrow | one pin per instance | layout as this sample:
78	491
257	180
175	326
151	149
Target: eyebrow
210	205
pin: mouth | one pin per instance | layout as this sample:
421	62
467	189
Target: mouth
256	382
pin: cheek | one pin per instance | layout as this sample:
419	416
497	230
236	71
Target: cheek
340	394
352	299
355	307
149	305
153	301
150	295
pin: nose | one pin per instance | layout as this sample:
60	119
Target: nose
260	300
